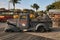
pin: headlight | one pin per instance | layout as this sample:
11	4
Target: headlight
23	24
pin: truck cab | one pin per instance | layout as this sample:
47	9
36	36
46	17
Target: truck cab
24	23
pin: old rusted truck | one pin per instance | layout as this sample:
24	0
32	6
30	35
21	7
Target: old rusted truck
24	23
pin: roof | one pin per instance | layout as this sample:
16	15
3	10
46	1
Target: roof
54	11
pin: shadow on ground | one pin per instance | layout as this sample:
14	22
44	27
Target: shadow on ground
55	29
34	37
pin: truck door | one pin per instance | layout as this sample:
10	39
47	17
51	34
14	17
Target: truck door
23	21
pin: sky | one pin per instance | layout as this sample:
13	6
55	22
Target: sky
26	4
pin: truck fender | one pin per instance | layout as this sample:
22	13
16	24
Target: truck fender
39	25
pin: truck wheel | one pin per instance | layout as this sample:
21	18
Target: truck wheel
40	29
7	30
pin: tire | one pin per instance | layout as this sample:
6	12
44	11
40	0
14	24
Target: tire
9	30
41	29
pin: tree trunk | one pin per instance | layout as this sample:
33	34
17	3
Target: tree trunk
9	5
36	10
14	6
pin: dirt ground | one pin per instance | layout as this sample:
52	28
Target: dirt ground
54	35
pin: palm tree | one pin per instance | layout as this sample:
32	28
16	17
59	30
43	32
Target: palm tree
35	6
14	2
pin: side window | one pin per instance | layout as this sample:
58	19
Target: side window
23	17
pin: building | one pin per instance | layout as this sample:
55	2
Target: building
55	17
4	11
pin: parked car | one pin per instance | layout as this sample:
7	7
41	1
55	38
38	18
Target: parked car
2	19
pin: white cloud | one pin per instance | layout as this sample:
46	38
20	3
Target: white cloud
3	5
